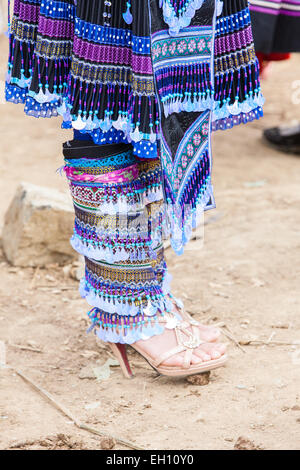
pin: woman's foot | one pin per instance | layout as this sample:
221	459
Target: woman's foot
158	346
177	352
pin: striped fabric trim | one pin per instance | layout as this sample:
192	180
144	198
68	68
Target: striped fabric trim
276	7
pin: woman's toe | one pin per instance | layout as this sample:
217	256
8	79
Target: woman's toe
213	350
196	359
221	348
202	354
174	361
215	354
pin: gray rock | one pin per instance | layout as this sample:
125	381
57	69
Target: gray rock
37	227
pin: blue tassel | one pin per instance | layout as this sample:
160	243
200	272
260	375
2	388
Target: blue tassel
127	15
91	328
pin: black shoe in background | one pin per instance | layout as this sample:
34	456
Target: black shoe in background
285	139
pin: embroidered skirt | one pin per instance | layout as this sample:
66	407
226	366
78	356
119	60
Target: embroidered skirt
157	74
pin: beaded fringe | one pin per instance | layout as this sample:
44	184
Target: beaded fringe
126	300
121	329
129	313
184	214
82	114
195	93
238	97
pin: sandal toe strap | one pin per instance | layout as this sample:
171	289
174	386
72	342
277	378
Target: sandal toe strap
188	341
172	352
187	359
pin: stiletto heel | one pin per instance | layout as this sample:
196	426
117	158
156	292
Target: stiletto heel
120	353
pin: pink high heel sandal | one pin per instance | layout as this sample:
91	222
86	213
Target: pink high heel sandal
187	341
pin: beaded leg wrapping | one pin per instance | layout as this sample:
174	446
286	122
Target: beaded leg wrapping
119	228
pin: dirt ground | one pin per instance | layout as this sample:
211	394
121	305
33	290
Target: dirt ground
246	276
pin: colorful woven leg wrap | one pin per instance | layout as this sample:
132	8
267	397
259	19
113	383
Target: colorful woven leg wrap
119	228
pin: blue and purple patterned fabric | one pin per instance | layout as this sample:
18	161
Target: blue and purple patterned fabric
160	74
